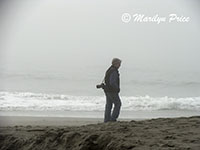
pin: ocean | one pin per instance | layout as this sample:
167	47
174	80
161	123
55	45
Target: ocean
145	93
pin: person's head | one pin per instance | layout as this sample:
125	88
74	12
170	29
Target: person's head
116	62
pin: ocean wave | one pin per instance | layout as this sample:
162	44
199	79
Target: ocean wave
22	101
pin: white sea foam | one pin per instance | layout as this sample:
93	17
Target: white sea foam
23	101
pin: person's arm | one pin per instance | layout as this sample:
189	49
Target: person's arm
113	80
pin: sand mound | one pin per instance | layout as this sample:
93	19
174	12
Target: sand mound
177	133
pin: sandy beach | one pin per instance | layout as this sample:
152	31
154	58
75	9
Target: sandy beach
24	133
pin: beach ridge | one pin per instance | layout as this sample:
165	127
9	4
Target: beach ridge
161	133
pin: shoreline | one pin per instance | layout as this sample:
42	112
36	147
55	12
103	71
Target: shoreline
46	121
50	121
72	118
145	114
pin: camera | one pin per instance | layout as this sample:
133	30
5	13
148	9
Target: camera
102	85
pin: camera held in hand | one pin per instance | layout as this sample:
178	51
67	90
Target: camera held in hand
102	85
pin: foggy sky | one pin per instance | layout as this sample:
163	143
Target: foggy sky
61	35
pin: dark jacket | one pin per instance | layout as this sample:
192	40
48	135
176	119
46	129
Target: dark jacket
112	81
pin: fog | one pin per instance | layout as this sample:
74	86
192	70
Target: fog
59	35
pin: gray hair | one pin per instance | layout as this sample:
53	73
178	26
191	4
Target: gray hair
116	61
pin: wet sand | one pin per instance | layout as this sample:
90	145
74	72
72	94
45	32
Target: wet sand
163	133
46	121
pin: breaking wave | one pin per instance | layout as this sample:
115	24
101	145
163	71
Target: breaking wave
22	101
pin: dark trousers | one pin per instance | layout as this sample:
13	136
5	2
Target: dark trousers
112	98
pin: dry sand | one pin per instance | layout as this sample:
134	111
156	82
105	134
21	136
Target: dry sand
163	133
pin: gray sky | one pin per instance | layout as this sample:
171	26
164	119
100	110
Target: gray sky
60	34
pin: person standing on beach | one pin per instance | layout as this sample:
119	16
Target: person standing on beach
112	89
